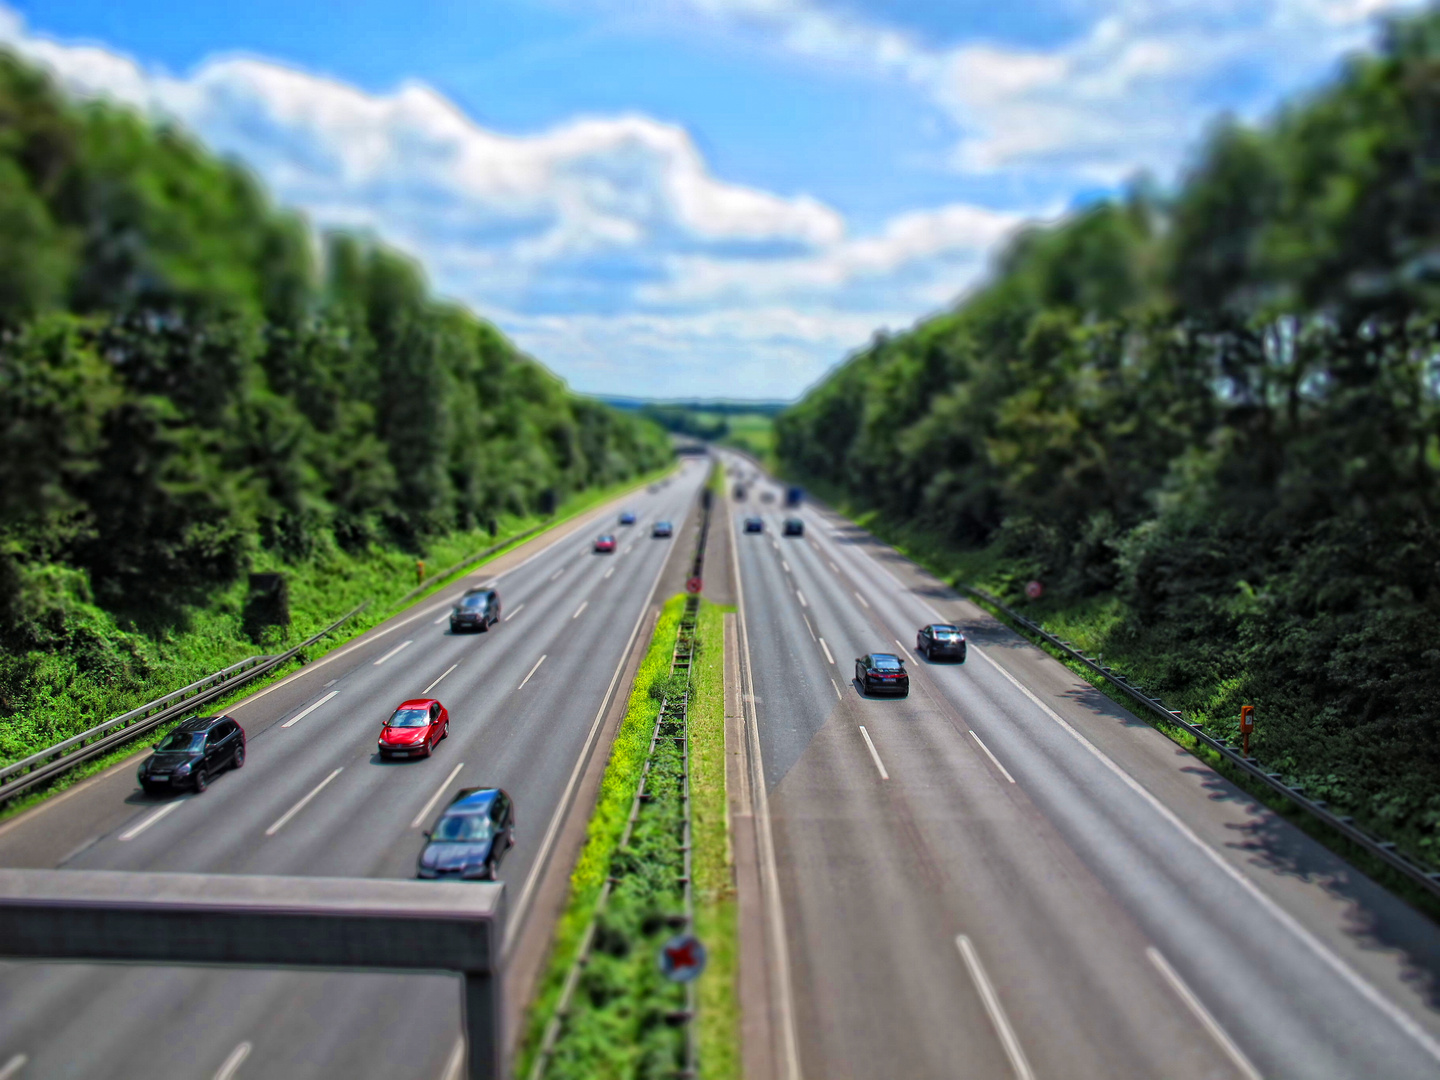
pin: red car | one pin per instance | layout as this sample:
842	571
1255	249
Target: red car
414	729
605	545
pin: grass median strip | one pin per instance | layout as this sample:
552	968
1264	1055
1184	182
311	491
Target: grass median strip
624	1018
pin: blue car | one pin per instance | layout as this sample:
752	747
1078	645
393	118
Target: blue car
627	517
470	837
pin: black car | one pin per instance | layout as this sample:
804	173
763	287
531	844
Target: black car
794	527
662	528
193	754
940	640
739	491
754	524
470	837
882	673
478	609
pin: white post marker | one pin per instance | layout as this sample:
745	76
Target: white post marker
392	652
231	1065
1208	1022
273	829
532	672
874	754
136	830
309	709
1008	1039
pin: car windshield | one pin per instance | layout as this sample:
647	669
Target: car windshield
410	718
472	603
182	742
467	827
885	663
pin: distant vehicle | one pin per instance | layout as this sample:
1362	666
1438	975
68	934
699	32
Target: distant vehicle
754	524
882	673
940	640
793	495
478	609
767	496
193	754
605	545
470	837
794	527
414	729
627	517
663	528
739	492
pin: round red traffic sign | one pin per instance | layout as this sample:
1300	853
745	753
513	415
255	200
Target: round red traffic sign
694	585
682	958
1034	590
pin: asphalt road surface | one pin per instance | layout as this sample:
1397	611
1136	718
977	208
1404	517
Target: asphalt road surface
1007	875
313	798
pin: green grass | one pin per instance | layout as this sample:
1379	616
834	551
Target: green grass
51	695
755	434
714	885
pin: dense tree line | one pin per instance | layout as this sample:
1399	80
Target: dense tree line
186	373
1220	405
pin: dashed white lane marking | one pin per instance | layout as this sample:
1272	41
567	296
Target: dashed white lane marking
514	613
1208	1022
905	651
556	575
834	567
609	572
13	1066
280	824
837	690
801	595
583	605
137	829
991	999
309	709
1004	771
874	754
808	626
392	652
231	1065
827	651
532	672
430	803
861	598
436	683
443	616
786	565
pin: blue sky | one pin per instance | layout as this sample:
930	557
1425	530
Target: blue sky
707	197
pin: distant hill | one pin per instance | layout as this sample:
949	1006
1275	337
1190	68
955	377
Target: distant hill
722	406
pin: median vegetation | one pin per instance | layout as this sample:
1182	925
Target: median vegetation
1205	421
193	388
623	1018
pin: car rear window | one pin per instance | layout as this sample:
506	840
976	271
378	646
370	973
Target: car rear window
410	718
886	663
945	629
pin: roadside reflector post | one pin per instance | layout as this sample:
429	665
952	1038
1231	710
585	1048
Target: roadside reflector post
1247	725
419	571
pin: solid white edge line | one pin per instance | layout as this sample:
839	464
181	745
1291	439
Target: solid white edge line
436	683
1008	1038
515	921
285	817
1004	771
801	595
874	754
1197	1007
813	636
1362	986
231	1065
13	1066
430	803
455	1062
145	823
392	652
837	689
769	871
532	671
827	651
515	612
309	709
906	652
861	598
583	605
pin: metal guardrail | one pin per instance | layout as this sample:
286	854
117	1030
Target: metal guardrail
1384	850
102	738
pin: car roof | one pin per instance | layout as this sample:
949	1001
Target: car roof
472	800
200	723
886	656
418	703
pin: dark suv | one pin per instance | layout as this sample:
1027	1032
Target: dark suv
478	609
193	754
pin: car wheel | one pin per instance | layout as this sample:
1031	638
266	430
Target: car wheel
239	759
201	781
490	869
446	733
429	748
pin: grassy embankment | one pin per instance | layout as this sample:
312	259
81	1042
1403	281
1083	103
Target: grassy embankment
62	698
755	434
617	1022
1092	623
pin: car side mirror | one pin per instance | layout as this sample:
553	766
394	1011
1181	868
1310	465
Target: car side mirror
427	834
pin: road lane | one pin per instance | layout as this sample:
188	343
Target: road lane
1295	987
358	821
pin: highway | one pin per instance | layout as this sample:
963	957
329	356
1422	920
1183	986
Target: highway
525	701
1007	875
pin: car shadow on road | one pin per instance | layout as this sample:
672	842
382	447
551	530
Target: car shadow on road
376	759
